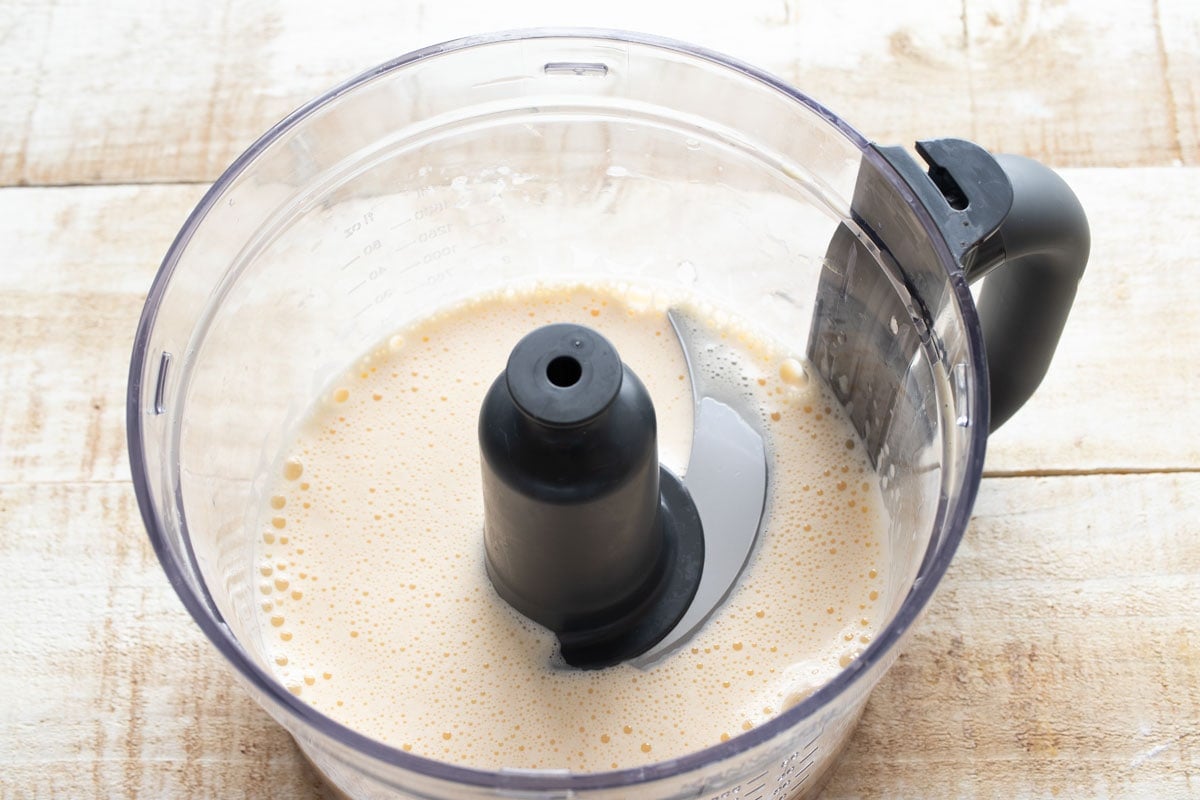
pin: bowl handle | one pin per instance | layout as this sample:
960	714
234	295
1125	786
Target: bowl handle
1015	221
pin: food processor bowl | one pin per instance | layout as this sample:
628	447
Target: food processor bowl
545	155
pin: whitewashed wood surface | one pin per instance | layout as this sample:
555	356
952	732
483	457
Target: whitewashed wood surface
1060	657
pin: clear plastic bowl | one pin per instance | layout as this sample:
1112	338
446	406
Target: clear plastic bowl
482	162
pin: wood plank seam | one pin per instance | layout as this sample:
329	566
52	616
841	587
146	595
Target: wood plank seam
1172	109
1083	473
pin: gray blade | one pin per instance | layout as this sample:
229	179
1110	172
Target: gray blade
727	479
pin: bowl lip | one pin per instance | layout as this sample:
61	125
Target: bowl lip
954	512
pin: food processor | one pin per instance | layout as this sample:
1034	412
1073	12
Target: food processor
582	155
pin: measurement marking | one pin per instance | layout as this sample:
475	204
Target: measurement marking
402	223
481	244
314	247
404	246
364	310
808	761
351	261
359	286
761	787
495	221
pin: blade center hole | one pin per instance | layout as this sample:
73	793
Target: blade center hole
564	371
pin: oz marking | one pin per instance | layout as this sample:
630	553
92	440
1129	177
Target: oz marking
438	255
357	226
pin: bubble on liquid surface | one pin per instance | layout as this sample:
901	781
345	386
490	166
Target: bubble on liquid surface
384	592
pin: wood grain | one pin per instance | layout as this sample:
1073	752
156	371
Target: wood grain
1123	392
117	692
75	275
82	259
113	93
1061	655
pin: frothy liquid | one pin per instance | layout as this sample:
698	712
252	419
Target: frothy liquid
376	608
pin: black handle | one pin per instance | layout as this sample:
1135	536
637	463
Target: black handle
1044	244
1015	221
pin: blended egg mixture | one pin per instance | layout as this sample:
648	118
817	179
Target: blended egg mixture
376	608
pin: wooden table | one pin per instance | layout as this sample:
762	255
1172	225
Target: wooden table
1061	656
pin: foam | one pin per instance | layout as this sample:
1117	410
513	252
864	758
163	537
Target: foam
376	608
